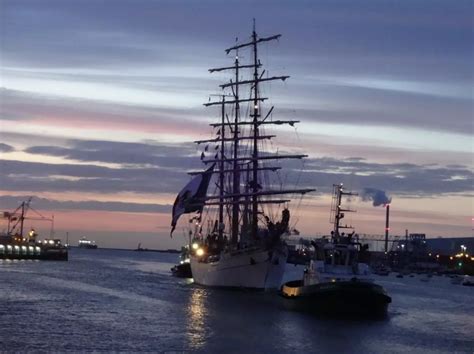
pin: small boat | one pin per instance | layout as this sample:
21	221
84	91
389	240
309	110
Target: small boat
183	268
85	243
337	281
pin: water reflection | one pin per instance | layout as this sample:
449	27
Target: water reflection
196	318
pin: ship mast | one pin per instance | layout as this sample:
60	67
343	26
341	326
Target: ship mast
255	116
239	162
221	172
337	209
236	172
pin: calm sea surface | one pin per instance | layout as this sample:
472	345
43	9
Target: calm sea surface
107	300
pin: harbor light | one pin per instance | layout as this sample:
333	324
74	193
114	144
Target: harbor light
200	252
195	246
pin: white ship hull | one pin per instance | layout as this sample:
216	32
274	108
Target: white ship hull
253	268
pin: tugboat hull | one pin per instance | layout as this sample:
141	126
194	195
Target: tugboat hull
337	298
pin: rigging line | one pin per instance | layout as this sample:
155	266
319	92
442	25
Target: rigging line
37	212
297	209
298	180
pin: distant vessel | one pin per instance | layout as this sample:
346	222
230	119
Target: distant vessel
140	248
85	243
242	246
337	281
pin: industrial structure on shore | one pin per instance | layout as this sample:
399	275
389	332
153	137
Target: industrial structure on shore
15	244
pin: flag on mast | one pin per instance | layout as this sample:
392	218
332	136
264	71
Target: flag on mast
190	198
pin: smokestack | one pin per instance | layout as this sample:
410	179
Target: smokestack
387	226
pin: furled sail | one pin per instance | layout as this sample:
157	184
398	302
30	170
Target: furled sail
191	198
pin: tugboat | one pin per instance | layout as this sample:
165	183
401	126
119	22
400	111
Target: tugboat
242	246
337	282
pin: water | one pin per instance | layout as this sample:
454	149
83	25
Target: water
107	300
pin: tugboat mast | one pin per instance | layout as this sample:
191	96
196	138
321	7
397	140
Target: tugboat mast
338	210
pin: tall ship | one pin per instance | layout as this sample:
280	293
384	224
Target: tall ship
240	221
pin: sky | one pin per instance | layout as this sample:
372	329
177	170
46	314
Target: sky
100	102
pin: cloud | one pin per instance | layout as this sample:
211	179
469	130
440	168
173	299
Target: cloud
6	148
30	176
403	179
168	173
127	154
67	112
361	65
12	202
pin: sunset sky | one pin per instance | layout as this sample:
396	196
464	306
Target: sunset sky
100	102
